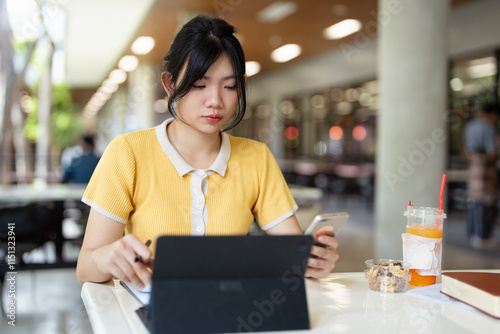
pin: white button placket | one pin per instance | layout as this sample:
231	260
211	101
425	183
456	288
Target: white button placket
198	178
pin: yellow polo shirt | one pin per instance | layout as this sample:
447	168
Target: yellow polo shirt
142	181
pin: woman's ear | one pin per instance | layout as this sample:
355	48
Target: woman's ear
167	82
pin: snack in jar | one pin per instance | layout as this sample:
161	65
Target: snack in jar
387	275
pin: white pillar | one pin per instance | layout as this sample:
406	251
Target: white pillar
117	105
42	156
411	125
142	87
276	141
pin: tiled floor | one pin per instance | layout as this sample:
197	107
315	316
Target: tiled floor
48	303
49	300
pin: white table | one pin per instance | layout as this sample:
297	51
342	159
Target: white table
341	303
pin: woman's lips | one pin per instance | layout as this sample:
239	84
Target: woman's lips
213	118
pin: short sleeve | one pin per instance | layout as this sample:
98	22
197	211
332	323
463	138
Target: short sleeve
111	188
275	203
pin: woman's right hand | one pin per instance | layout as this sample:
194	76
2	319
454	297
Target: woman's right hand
119	260
106	253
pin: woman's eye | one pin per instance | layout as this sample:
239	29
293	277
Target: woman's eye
198	86
231	87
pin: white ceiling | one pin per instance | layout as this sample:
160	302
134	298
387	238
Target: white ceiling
98	33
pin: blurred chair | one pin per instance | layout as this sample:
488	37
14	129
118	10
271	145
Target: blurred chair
30	226
75	216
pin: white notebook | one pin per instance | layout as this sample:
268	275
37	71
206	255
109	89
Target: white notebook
142	296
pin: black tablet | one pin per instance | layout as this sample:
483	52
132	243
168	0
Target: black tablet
228	284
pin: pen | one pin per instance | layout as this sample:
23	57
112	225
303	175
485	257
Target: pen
137	256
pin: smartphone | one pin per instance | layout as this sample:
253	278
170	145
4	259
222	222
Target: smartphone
333	221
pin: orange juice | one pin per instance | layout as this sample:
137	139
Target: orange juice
426	232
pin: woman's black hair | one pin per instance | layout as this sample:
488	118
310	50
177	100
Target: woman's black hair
200	42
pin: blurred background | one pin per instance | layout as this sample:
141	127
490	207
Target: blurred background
71	69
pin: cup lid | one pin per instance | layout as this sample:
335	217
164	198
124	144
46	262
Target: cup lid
423	211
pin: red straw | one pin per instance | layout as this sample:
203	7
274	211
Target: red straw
443	181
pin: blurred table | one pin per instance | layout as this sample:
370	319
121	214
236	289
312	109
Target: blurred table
340	303
27	193
52	196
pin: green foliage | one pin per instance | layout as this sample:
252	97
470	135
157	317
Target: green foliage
31	123
66	123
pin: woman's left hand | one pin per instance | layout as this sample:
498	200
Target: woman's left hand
323	257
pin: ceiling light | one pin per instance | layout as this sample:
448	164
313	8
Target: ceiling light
483	67
252	68
143	45
342	29
107	91
371	87
90	112
101	95
277	11
118	76
456	84
97	102
160	106
128	63
108	84
285	53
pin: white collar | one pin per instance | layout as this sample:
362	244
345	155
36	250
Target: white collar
219	166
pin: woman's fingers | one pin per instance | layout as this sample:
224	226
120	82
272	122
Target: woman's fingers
141	251
323	257
119	259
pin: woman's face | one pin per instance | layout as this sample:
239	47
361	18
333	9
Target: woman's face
212	100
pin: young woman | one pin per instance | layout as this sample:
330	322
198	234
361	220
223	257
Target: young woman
187	176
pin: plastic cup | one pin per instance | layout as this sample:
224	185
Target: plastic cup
428	223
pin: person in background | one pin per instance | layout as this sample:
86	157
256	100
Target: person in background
82	166
481	151
187	176
68	155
